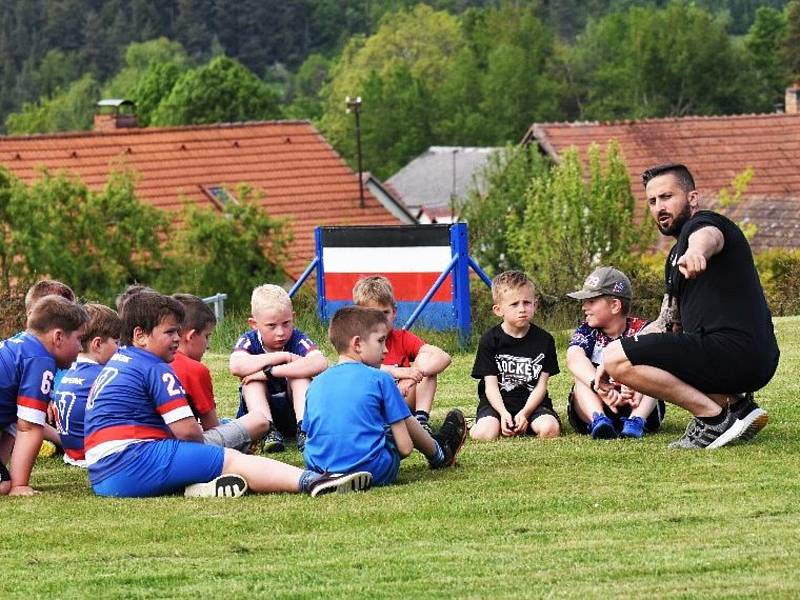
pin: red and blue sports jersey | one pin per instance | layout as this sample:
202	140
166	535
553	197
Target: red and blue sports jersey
592	341
26	379
299	343
134	399
69	400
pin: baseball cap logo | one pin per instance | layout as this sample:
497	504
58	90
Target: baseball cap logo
592	281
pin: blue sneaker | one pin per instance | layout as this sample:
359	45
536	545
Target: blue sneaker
633	428
602	428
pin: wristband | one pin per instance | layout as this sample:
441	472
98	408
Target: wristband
267	371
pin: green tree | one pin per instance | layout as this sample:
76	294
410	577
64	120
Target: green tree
153	87
790	47
70	110
230	252
306	86
507	175
763	44
575	220
222	91
139	57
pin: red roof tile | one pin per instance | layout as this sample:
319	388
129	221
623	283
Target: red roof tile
299	175
715	149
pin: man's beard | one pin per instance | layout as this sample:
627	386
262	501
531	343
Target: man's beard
678	221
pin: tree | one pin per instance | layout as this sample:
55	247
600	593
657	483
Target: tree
233	251
763	44
223	91
139	57
70	110
153	87
790	47
576	220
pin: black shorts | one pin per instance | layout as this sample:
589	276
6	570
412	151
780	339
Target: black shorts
282	409
651	424
712	363
487	410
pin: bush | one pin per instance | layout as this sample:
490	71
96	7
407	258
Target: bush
780	275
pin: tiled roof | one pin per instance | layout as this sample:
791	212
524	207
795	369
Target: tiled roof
300	176
715	149
441	172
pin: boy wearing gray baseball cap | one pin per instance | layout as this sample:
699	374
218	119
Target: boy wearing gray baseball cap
622	412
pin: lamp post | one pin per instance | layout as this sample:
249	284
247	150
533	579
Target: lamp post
354	106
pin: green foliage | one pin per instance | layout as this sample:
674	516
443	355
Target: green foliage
69	110
574	221
780	275
223	91
231	252
306	87
139	59
673	61
507	175
790	45
763	43
153	87
95	241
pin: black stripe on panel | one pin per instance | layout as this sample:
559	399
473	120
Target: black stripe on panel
383	236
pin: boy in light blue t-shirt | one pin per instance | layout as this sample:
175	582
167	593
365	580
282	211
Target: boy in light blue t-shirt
356	418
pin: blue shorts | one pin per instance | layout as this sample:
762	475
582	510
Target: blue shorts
388	471
159	467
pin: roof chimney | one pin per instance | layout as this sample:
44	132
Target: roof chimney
114	113
792	101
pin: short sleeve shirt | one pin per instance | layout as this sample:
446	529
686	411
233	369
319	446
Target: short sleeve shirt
27	371
592	340
298	343
196	381
402	348
70	405
518	363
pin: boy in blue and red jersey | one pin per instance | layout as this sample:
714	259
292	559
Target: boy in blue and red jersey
142	438
28	363
276	362
99	344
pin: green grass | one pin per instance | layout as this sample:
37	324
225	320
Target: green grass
516	518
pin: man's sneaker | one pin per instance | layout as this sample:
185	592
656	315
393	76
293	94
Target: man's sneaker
224	486
699	435
273	441
339	483
301	439
451	436
633	427
750	416
602	428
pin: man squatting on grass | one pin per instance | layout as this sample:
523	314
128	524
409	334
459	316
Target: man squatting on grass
724	346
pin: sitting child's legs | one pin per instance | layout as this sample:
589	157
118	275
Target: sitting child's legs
7	438
263	474
254	396
651	411
545	425
238	434
485	429
584	402
297	390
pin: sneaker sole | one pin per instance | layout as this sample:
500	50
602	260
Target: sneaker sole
352	482
224	486
452	463
755	421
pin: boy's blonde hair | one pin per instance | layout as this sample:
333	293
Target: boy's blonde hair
509	280
374	289
104	322
352	321
269	296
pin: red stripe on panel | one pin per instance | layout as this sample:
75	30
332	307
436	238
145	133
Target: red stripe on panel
407	286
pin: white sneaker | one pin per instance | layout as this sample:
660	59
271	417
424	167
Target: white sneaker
341	483
225	486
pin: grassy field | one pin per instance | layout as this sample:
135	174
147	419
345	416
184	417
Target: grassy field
516	518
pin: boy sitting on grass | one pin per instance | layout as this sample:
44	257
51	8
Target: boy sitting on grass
413	363
142	438
28	364
98	344
515	359
606	301
276	363
195	378
356	418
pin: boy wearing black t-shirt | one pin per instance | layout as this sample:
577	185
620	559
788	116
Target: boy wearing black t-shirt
514	361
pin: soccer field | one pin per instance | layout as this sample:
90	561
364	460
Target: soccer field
570	517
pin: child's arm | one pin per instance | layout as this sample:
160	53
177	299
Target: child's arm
431	360
580	366
242	364
209	420
492	389
187	429
402	439
26	448
300	367
522	418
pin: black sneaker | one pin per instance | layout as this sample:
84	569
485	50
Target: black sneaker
700	435
301	438
273	441
224	486
451	436
749	416
341	483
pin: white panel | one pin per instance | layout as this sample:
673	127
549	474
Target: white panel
414	259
